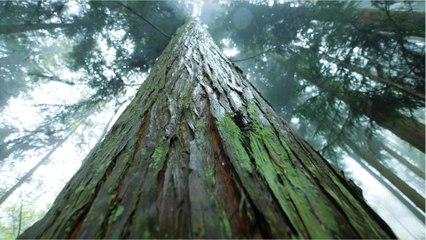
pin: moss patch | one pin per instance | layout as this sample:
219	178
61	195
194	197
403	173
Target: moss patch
79	189
157	157
143	151
116	213
232	138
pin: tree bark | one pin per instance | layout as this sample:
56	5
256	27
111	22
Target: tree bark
199	154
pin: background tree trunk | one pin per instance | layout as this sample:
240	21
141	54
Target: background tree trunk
371	20
415	197
419	172
366	73
27	176
408	204
406	128
199	153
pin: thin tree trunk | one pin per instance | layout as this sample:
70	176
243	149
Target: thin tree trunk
20	219
199	154
415	155
104	131
27	176
406	128
407	23
416	211
397	86
46	158
408	191
420	173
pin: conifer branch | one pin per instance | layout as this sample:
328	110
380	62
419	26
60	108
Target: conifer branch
254	56
143	18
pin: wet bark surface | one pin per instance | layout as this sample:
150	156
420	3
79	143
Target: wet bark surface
200	154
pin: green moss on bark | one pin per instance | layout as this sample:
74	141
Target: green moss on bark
116	213
232	141
157	157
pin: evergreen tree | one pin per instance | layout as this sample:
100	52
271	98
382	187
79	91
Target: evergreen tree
199	153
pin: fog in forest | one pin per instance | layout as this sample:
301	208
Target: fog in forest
348	76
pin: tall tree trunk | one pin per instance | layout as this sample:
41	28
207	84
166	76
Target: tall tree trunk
406	23
420	215
415	197
20	219
417	157
27	176
400	87
406	128
198	153
419	172
376	21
